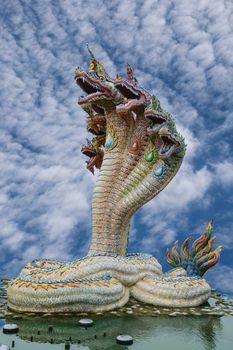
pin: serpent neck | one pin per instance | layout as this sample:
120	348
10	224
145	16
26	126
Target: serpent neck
127	180
104	239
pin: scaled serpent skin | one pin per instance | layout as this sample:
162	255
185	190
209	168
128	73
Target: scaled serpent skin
138	150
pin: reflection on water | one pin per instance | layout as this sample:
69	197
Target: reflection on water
207	333
202	332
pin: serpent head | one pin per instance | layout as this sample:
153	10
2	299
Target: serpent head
155	116
99	89
135	97
162	130
171	142
100	99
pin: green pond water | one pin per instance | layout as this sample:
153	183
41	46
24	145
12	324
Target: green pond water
207	327
149	333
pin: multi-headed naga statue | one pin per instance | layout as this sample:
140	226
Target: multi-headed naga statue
138	151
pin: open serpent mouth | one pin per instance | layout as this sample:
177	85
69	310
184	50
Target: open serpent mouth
93	90
88	151
155	118
133	100
127	91
98	109
96	122
130	105
168	146
156	121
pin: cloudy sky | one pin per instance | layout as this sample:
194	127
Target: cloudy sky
182	52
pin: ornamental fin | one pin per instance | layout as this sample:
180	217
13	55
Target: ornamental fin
199	258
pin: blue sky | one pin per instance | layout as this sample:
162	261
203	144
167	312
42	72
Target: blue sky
182	52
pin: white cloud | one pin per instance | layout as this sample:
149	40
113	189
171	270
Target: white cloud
221	278
224	173
186	187
163	216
